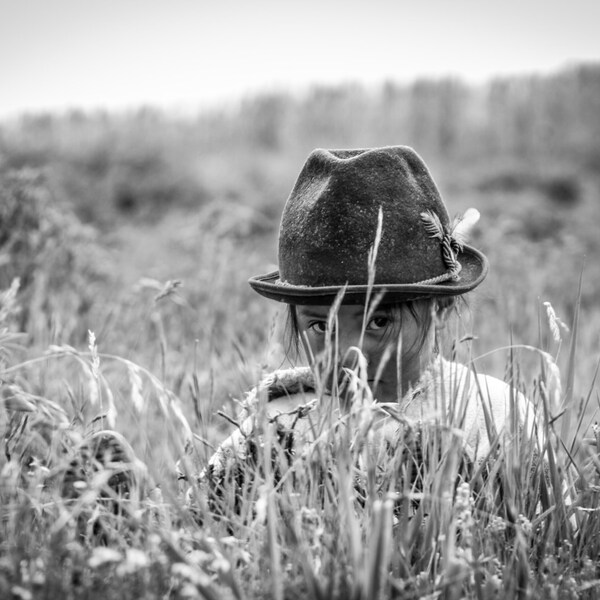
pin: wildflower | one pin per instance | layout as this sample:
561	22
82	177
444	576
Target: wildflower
423	580
220	564
524	524
463	519
497	525
463	506
189	591
312	525
588	570
21	593
190	574
102	556
549	566
38	576
496	568
570	589
565	551
134	561
37	467
200	558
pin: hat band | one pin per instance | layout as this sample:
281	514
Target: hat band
451	274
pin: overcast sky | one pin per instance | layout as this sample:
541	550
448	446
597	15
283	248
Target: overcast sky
58	54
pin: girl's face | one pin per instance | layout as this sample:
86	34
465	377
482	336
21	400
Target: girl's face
380	343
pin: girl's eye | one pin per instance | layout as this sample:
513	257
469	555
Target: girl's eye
319	327
377	323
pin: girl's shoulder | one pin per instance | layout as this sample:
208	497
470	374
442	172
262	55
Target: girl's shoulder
464	379
283	399
281	391
484	404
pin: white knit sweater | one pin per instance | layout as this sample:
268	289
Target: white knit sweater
477	407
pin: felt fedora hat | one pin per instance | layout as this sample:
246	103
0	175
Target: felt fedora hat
348	204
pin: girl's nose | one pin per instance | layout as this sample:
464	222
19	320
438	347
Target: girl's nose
348	343
349	359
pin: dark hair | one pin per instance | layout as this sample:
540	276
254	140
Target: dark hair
416	309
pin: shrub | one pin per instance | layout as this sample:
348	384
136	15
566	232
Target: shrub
55	258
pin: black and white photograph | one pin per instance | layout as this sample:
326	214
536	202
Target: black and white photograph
299	300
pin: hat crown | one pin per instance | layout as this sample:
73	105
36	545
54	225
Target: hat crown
330	219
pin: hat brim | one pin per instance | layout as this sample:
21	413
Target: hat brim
474	269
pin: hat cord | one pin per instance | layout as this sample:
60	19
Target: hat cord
450	274
450	250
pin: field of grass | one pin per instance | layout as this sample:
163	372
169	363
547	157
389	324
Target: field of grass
126	325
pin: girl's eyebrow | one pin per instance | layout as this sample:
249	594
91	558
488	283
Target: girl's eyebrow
314	314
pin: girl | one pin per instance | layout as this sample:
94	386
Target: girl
370	267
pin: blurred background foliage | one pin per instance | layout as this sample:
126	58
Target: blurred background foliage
100	210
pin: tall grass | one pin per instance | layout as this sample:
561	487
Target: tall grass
99	434
353	513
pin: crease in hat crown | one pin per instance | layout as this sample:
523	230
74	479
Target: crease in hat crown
329	225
